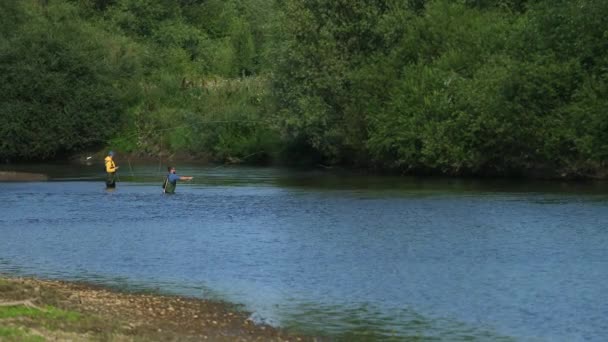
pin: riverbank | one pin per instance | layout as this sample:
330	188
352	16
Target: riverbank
13	176
40	310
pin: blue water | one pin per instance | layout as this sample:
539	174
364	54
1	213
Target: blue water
344	256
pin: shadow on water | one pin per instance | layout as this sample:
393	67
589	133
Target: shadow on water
313	179
344	180
367	323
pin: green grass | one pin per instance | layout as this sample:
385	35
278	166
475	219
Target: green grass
48	312
16	334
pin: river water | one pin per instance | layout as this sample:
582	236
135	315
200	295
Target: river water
331	253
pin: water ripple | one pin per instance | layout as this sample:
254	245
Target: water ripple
412	261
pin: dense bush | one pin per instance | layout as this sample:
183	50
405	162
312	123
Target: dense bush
58	81
504	87
467	87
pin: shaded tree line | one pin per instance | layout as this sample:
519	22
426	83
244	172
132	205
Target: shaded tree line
460	87
455	87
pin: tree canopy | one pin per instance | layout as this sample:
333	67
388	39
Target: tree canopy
479	87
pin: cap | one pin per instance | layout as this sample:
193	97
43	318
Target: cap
111	153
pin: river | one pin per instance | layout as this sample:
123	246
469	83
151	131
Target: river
332	253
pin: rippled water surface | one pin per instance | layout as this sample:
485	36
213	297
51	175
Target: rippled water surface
336	254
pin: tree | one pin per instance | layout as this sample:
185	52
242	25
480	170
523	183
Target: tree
58	96
326	43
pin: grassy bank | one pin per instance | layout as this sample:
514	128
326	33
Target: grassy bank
44	310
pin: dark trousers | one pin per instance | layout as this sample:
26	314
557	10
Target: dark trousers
111	180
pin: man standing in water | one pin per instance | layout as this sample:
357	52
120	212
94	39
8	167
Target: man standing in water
110	170
171	180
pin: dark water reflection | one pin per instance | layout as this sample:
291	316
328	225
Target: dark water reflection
338	254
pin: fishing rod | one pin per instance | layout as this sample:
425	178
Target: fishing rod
131	169
163	130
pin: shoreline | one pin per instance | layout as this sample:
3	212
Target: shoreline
66	310
534	174
17	176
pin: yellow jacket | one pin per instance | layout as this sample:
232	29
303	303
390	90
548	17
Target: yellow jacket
110	166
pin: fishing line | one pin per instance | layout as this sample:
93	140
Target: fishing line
160	152
162	135
131	169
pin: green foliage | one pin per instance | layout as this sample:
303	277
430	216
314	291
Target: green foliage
80	74
457	87
142	18
59	91
49	312
243	47
17	334
504	87
189	101
326	42
227	123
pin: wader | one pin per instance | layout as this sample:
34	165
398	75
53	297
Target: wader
111	180
169	187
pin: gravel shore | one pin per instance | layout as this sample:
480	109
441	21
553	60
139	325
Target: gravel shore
58	310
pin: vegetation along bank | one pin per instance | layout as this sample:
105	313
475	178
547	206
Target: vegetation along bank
471	87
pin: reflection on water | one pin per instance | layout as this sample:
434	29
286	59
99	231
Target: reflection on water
372	323
342	255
